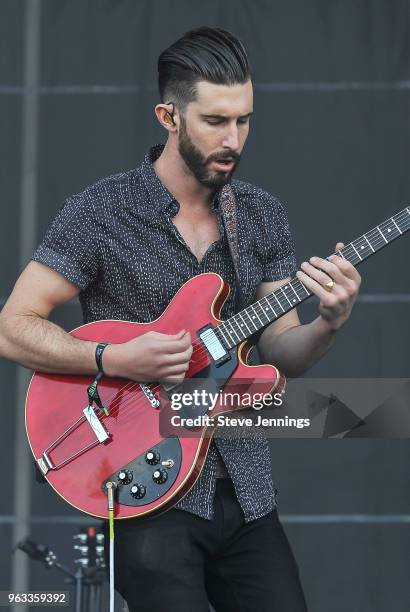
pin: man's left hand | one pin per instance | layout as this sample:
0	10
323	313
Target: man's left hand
335	305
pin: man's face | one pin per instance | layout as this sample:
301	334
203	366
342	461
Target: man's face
213	131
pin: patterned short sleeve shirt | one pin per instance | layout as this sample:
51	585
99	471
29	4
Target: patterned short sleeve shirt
117	242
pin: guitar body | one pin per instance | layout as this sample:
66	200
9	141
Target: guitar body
77	464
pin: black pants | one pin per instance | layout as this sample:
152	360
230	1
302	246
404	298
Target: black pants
178	561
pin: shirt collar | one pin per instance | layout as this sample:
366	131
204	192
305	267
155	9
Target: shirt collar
158	193
161	198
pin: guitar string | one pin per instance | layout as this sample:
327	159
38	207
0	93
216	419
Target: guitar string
373	235
377	241
202	351
115	401
129	386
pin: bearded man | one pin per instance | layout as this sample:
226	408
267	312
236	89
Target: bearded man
125	245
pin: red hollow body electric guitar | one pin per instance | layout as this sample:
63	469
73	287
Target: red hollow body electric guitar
81	439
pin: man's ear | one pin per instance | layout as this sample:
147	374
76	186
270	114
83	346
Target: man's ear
164	116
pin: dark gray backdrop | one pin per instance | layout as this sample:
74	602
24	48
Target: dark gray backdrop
330	137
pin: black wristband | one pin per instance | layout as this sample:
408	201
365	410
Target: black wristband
98	355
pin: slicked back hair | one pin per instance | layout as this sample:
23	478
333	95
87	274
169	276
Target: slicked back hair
203	54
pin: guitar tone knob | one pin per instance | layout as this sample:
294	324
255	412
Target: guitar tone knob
124	477
138	491
160	476
152	457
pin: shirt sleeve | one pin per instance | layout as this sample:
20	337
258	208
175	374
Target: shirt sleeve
280	259
70	243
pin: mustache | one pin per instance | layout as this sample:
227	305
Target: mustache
224	155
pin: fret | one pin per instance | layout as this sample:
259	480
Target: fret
363	247
378	228
289	291
237	328
341	254
233	329
270	306
244	323
356	251
250	318
396	225
230	334
276	298
224	325
219	328
290	304
246	313
294	290
402	219
369	243
349	256
374	239
300	290
390	228
303	287
262	310
260	320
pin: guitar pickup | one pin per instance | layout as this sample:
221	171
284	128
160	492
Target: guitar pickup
96	424
213	345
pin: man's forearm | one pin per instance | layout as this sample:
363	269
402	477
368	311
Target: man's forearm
297	349
41	345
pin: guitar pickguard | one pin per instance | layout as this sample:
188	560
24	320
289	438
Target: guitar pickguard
140	472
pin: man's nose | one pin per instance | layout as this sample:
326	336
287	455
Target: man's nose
231	140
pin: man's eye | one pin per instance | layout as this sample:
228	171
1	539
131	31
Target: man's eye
241	121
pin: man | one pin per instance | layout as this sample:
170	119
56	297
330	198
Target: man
125	245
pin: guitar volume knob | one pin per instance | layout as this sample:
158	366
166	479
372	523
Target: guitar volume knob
138	491
160	475
124	476
152	457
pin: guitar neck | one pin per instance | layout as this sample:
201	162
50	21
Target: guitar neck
274	305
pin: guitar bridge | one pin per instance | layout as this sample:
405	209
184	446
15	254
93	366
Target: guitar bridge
96	425
146	389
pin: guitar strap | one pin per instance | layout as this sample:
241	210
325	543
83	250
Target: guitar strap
227	200
230	222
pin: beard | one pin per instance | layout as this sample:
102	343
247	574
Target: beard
198	164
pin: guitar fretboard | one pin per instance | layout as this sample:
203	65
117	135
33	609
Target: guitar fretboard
252	319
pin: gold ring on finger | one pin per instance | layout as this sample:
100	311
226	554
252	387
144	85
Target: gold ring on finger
329	286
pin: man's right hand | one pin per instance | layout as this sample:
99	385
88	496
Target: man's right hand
150	357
